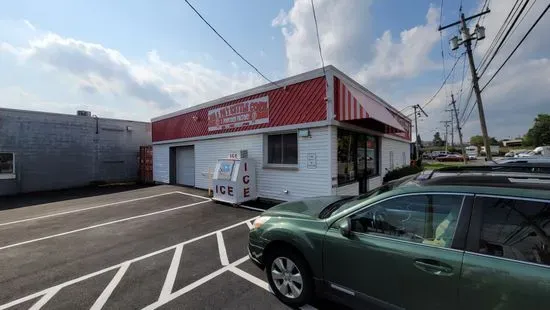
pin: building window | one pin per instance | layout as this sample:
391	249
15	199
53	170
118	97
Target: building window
357	156
282	149
391	160
404	156
7	164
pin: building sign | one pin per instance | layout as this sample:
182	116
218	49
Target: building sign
247	113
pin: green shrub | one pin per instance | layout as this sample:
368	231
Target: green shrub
401	172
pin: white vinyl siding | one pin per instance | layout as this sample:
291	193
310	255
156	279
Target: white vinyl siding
397	148
272	183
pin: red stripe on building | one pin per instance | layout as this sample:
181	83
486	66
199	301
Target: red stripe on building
302	102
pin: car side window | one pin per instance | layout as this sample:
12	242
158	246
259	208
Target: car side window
423	218
515	229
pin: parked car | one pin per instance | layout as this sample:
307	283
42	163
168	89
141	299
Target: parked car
452	157
438	240
510	154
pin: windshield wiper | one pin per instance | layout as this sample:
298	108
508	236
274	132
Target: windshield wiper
328	210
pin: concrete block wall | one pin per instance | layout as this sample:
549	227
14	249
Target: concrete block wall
55	151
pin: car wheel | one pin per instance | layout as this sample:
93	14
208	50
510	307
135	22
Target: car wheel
289	277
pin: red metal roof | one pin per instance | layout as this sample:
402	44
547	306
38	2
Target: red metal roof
302	102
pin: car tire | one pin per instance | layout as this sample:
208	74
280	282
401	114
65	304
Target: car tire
287	275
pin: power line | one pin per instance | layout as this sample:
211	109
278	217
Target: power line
318	39
462	82
444	82
504	38
517	46
499	34
230	46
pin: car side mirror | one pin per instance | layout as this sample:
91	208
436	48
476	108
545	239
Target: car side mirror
345	227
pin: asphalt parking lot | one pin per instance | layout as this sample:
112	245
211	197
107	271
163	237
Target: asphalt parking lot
156	247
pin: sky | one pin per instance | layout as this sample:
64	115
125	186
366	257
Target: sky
140	59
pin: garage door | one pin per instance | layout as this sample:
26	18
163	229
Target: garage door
185	165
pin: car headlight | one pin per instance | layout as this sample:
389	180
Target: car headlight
260	221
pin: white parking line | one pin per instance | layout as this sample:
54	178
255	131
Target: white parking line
100	225
251	208
42	301
194	285
221	248
97	207
172	272
247	276
259	282
93	274
249	224
102	299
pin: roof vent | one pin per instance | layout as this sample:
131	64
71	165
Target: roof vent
83	113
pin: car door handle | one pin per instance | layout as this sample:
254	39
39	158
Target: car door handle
434	267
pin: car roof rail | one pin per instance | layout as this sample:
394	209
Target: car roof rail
539	168
507	181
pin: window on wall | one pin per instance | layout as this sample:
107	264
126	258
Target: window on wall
404	158
357	156
282	149
7	163
391	160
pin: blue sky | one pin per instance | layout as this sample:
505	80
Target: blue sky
139	59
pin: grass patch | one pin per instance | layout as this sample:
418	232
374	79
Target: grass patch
438	165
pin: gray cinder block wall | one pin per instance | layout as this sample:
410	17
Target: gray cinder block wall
56	151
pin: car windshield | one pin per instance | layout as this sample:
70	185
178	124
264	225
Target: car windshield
350	201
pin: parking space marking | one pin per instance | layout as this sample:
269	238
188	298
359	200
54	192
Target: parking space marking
247	276
42	301
102	299
249	224
221	249
251	208
101	225
172	272
96	207
56	288
194	285
259	282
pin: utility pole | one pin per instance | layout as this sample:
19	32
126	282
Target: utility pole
467	41
416	114
452	128
446	134
453	103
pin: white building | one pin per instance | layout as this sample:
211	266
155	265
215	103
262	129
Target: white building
308	135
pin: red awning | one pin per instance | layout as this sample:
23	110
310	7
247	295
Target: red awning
353	104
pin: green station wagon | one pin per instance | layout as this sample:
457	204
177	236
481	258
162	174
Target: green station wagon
477	240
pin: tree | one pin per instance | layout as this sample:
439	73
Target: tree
476	140
493	141
437	141
539	134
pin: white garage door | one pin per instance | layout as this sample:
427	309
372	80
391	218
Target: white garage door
185	165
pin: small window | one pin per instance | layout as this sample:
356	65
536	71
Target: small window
428	219
7	163
404	157
515	229
282	149
391	160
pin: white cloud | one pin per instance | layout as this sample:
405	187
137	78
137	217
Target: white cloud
163	86
406	58
344	29
31	26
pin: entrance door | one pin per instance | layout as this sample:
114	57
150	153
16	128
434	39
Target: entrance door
185	165
362	175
